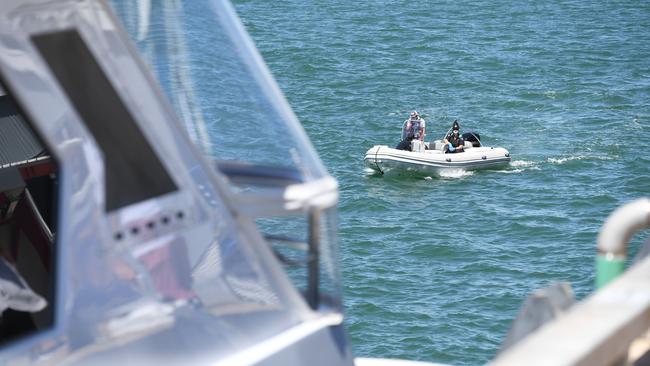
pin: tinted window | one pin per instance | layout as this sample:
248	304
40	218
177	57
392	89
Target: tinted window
133	171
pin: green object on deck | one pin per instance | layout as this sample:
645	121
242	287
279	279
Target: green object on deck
608	268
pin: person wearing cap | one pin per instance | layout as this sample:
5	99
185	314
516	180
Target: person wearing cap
414	129
454	142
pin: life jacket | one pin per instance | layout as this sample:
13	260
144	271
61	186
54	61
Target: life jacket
455	140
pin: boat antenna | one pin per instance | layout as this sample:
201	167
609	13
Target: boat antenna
452	126
446	133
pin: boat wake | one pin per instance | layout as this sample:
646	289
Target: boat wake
519	166
522	164
513	171
562	160
455	173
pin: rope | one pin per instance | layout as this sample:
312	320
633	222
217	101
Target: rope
378	167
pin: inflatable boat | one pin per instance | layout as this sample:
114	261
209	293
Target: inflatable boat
431	158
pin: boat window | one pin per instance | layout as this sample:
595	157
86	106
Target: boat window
28	217
233	110
133	171
218	83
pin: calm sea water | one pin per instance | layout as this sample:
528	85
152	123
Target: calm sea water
435	269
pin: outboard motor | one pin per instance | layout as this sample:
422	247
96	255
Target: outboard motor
473	137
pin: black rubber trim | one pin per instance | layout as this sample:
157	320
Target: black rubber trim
133	171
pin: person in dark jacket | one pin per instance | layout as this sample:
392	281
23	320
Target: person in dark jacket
454	142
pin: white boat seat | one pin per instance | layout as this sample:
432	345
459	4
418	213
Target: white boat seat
439	145
417	146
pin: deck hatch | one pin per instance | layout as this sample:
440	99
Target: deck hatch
133	171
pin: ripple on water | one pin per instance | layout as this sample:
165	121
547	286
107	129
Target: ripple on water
435	268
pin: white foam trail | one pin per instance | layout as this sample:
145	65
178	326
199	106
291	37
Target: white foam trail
564	160
521	163
455	173
511	171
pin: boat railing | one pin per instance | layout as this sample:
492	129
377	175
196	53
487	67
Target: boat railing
619	228
281	191
277	191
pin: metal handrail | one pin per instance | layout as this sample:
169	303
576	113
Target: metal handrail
284	190
311	260
245	173
277	191
614	236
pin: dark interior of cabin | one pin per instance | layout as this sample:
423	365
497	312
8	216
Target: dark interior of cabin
28	217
